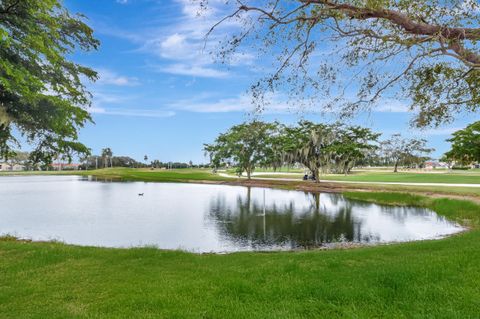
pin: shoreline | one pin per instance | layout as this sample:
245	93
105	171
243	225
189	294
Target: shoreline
325	186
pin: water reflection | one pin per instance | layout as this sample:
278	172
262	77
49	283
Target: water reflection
200	218
285	225
327	218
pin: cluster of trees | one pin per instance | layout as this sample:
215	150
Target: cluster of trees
322	148
465	149
173	165
96	161
433	43
397	151
106	159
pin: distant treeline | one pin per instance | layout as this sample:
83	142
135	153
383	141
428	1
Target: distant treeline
320	147
95	161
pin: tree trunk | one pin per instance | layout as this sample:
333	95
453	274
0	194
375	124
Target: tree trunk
395	168
316	174
317	202
249	173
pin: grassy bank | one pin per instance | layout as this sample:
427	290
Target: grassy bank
401	177
462	177
175	175
134	174
205	175
430	279
449	178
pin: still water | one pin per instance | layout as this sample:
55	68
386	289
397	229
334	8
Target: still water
200	218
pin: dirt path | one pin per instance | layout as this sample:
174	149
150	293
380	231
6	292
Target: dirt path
256	177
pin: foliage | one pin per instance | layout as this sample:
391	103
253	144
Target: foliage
319	147
307	144
350	53
465	145
352	144
95	161
328	148
402	150
107	155
42	95
246	145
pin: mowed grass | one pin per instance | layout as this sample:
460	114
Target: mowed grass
449	178
135	174
429	279
400	177
206	175
197	175
283	169
460	177
158	175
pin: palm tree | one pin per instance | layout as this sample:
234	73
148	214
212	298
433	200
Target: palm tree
107	154
145	158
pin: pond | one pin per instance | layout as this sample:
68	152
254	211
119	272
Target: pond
201	218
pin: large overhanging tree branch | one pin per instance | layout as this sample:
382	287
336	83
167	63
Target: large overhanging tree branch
425	52
41	91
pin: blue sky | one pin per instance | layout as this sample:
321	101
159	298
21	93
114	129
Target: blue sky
161	94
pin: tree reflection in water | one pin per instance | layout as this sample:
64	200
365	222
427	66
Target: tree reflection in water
285	225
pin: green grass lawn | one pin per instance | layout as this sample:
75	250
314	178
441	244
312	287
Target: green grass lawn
133	174
175	175
448	178
186	175
429	279
197	175
453	178
178	175
283	169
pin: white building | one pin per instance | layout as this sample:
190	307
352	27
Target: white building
11	168
435	165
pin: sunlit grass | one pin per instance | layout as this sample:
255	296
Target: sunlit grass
135	174
400	177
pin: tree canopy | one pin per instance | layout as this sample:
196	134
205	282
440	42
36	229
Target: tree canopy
317	146
327	147
41	91
247	145
465	147
404	150
107	155
348	54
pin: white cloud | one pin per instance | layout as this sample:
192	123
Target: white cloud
107	77
391	106
120	104
173	43
122	1
193	70
181	44
442	131
241	103
275	103
101	97
131	112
